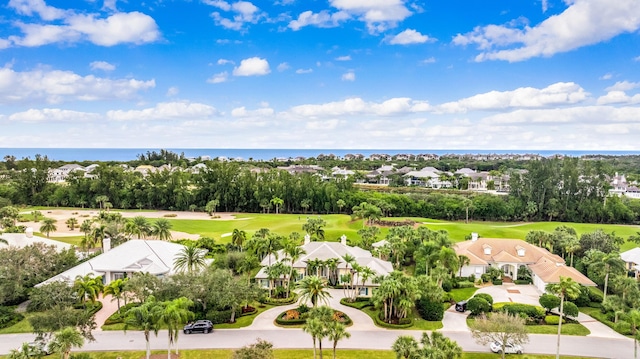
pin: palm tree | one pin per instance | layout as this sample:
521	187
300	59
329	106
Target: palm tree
292	253
608	262
162	229
48	226
238	237
626	285
440	346
405	347
634	318
277	202
211	206
565	288
101	200
26	351
174	315
98	233
72	223
315	327
116	289
145	318
249	263
313	288
138	226
88	288
337	331
66	339
190	258
462	261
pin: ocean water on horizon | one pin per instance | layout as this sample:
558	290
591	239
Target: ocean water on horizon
130	154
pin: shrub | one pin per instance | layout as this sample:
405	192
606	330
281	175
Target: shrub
623	327
447	286
119	315
486	277
583	299
430	310
595	295
497	281
486	297
522	281
570	309
9	317
553	320
478	305
530	311
291	314
472	278
221	316
303	308
465	284
549	301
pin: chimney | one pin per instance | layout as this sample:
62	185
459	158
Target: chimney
343	240
28	232
474	236
307	239
106	244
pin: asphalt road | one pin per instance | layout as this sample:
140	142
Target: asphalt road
360	339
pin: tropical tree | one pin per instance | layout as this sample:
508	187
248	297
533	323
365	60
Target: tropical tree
26	351
315	228
248	264
48	226
72	223
146	318
138	226
64	340
633	317
238	237
566	288
405	347
337	331
439	346
313	289
98	234
607	263
368	212
190	258
174	315
88	288
211	206
462	261
101	200
315	328
500	327
292	253
116	289
277	202
161	229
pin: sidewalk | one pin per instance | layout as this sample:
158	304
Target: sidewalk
108	308
598	329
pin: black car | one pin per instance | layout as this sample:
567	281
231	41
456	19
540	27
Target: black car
461	306
204	326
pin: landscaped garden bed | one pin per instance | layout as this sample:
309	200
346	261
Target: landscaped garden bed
298	316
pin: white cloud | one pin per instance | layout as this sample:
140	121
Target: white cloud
349	76
244	12
172	91
224	62
283	66
409	36
219	78
119	28
109	5
357	106
253	66
165	111
102	65
33	7
618	97
379	15
321	19
261	112
52	115
584	22
623	86
582	115
607	76
343	58
304	71
55	86
558	94
428	60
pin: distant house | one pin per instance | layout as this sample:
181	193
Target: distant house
631	259
510	254
621	187
429	177
134	256
21	240
61	174
324	251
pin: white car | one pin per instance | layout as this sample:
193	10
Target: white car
509	348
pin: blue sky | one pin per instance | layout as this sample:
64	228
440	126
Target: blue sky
352	74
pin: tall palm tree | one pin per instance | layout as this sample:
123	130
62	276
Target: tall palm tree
634	318
440	346
98	234
292	253
138	226
566	288
315	327
337	331
462	261
249	263
313	288
145	318
48	226
608	263
66	339
405	347
116	289
365	273
26	351
277	202
626	286
190	258
161	229
238	237
174	315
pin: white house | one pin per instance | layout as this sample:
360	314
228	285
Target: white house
21	240
510	254
325	251
631	259
134	256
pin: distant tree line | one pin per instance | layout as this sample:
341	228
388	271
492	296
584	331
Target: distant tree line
568	189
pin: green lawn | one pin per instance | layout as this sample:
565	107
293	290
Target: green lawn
300	353
567	329
459	294
22	326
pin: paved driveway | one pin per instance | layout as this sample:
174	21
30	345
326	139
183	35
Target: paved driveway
526	294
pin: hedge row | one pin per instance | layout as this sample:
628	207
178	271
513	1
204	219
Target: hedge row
281	301
404	322
9	317
358	304
553	320
531	311
119	315
302	320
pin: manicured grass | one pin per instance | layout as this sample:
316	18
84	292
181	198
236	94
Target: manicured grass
459	294
73	240
567	329
22	326
596	314
301	353
244	321
418	323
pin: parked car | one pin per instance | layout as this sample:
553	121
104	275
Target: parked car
509	348
38	348
461	306
204	326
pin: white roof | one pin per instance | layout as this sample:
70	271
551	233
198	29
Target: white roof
379	244
631	256
21	240
423	174
137	255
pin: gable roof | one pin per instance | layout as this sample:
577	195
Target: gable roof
137	255
550	272
21	240
631	256
504	250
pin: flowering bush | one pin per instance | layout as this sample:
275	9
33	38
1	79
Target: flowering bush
292	314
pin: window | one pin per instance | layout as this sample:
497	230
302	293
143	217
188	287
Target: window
363	291
117	276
